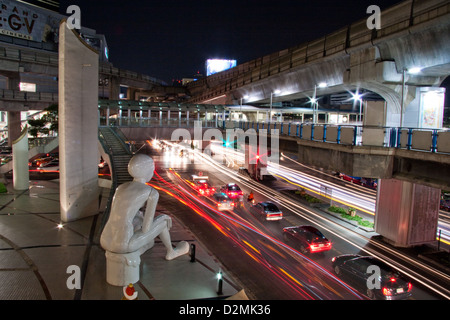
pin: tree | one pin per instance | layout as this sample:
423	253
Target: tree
47	123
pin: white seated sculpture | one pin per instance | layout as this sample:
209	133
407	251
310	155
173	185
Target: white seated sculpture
129	232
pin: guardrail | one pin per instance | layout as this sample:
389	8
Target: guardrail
155	122
420	139
17	95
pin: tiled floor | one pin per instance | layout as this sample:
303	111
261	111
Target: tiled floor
35	255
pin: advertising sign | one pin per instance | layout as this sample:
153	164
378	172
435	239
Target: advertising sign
218	65
29	23
432	107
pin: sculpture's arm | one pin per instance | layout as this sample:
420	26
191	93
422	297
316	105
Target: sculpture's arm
149	215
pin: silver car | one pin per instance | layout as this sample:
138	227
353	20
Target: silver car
267	211
223	202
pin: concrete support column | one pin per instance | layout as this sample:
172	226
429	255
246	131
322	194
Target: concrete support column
78	129
114	88
407	213
14	128
107	116
21	175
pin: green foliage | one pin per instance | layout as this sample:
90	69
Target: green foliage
306	196
337	210
47	123
359	219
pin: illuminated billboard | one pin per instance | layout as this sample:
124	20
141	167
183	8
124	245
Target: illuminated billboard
20	20
218	65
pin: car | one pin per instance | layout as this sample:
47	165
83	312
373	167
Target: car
307	238
223	202
267	211
201	184
204	188
359	271
52	165
232	190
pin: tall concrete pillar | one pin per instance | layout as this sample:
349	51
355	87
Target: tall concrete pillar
407	213
14	129
78	130
114	88
21	175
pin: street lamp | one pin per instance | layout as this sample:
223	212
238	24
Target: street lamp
314	100
358	97
271	99
240	108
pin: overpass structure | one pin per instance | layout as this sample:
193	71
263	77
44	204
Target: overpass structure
351	60
405	63
397	62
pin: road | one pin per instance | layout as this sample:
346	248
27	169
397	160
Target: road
254	251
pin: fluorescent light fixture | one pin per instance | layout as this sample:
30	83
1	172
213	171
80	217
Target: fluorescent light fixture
322	85
414	70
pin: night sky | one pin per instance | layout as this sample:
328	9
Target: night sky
172	39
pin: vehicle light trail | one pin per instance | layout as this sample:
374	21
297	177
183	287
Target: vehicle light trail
241	233
320	220
360	198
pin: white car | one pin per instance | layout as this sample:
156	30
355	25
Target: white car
267	211
223	202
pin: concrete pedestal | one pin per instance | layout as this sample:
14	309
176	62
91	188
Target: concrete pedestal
407	213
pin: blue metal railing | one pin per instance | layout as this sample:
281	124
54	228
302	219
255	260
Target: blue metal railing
420	139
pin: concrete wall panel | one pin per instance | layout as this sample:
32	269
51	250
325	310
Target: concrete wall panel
78	126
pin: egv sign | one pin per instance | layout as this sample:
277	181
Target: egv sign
25	22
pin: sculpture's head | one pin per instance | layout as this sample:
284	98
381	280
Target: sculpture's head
141	167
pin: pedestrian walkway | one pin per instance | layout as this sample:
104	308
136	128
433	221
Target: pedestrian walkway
38	256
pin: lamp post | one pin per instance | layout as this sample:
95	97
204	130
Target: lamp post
314	100
271	100
402	103
240	107
357	97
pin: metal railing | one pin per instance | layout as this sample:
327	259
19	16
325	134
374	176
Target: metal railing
155	122
420	139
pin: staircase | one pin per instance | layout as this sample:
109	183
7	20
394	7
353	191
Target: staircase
119	154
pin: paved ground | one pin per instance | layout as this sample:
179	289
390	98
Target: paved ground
35	256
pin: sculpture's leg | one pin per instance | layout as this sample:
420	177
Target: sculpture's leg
172	253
